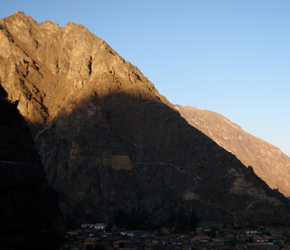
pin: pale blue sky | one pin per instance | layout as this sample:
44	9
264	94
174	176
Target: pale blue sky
228	56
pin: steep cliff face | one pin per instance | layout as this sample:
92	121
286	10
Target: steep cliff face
28	207
268	161
111	145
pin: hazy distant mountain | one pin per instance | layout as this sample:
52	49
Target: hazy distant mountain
267	160
112	146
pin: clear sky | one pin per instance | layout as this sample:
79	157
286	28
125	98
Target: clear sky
228	56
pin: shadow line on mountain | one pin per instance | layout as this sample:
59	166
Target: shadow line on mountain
122	154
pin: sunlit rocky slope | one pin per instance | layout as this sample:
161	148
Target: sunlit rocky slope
112	146
267	160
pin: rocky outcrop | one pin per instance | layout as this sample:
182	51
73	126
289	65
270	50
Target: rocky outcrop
112	146
28	207
268	161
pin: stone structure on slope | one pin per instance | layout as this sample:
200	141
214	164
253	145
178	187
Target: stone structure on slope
112	146
267	160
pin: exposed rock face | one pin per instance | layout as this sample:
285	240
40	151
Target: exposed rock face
113	147
28	207
268	161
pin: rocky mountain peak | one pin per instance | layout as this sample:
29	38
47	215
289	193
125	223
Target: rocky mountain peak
77	62
112	146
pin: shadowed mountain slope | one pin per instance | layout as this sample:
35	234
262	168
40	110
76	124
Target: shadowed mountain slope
112	146
28	207
268	161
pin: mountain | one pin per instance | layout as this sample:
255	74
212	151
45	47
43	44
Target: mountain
29	208
268	161
112	146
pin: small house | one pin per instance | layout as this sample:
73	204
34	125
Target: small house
121	243
87	226
201	239
90	241
100	226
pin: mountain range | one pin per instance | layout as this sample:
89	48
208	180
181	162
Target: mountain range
113	147
268	161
